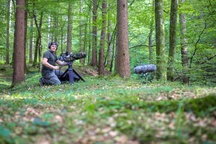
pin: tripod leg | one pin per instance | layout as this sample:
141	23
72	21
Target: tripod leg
71	77
71	74
63	74
78	75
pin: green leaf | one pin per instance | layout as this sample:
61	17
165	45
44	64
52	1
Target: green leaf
39	122
4	132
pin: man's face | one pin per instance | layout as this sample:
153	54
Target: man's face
53	48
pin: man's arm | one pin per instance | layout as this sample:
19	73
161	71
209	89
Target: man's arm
45	63
61	63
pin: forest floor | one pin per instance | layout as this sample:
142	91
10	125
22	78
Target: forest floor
105	110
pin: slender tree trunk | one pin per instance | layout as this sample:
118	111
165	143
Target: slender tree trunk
48	28
160	40
39	40
111	42
110	46
150	46
37	53
102	41
150	36
81	28
31	40
94	34
26	7
172	43
113	52
19	43
122	52
85	42
69	30
184	49
55	31
62	39
89	37
8	34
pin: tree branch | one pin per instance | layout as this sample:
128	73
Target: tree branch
199	37
208	59
140	46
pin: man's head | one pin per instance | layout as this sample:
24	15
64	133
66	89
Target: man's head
51	44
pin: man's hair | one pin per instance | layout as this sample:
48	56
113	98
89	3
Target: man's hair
52	43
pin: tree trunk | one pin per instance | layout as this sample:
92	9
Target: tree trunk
184	49
31	40
25	65
94	34
8	34
81	28
89	37
19	43
39	40
69	30
37	53
172	43
85	40
55	31
160	41
113	51
102	41
122	52
150	36
61	40
110	47
150	46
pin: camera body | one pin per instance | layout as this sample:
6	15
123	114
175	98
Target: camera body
142	69
69	57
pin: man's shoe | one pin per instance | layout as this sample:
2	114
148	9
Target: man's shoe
41	81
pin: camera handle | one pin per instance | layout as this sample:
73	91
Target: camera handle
71	70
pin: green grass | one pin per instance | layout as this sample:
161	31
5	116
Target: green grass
105	111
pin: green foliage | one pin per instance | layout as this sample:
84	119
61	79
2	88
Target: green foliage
5	135
200	15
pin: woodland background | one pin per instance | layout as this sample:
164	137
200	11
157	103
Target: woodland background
183	47
113	105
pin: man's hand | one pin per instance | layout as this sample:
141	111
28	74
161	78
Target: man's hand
56	67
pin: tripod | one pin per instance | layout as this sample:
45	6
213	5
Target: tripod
71	73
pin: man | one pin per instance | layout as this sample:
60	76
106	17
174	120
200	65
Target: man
50	72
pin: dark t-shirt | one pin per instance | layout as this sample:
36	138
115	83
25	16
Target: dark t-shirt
52	58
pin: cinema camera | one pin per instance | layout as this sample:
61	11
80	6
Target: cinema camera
69	57
145	71
142	69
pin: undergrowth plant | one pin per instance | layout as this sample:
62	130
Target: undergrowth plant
106	110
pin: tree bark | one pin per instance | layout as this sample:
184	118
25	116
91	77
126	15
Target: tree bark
160	41
37	53
122	52
31	40
69	30
8	34
172	38
184	49
102	41
94	34
110	47
150	45
19	43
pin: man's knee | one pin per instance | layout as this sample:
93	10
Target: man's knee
55	81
